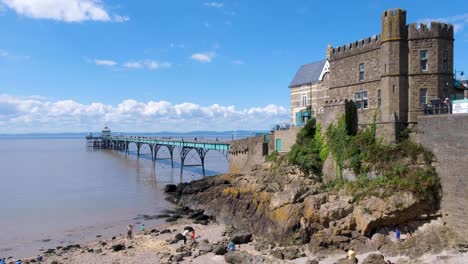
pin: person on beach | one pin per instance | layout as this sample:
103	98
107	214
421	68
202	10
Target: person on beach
352	255
408	231
142	227
192	235
185	234
397	234
2	261
39	258
231	246
129	231
18	261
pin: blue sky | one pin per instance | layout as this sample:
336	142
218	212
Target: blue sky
180	65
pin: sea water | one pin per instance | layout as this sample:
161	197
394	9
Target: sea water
55	191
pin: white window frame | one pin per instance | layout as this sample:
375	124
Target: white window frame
361	71
362	100
304	99
420	96
424	59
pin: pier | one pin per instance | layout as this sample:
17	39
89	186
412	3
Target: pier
122	143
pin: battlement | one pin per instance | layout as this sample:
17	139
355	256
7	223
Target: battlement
354	48
433	30
393	13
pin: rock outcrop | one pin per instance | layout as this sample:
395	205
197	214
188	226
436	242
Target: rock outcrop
290	209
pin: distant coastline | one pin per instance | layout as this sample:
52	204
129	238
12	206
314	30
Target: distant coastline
238	133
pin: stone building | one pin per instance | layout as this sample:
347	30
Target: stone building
391	75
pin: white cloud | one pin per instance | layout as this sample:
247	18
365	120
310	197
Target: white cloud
121	19
105	62
39	114
238	62
64	10
459	21
148	64
214	4
133	65
205	57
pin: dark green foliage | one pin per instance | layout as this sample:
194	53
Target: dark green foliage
308	151
393	162
272	157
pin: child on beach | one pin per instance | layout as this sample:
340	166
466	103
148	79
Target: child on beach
142	227
129	231
185	234
192	235
231	246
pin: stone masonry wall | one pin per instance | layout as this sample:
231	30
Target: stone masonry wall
446	136
246	154
288	138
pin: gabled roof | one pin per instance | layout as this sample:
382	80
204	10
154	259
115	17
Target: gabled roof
308	73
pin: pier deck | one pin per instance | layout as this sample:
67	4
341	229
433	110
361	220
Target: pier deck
184	146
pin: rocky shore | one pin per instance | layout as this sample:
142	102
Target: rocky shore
277	218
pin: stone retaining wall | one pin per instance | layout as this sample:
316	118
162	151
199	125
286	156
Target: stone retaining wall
447	137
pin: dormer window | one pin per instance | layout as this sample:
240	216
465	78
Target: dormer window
361	72
423	58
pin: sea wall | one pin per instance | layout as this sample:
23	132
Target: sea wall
246	154
447	137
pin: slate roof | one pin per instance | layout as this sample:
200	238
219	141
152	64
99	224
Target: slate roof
308	73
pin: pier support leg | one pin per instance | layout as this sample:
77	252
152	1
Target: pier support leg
171	152
138	149
202	153
183	154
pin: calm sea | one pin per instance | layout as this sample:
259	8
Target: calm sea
55	191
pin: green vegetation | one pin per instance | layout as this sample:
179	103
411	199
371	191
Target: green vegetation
272	157
404	166
309	152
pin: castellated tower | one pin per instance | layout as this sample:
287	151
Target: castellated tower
394	70
430	68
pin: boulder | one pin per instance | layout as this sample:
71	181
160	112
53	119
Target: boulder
277	253
205	248
118	247
201	222
170	188
291	253
178	257
345	261
378	240
374	212
220	249
242	257
241	237
374	259
179	237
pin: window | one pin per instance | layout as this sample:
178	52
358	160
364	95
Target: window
361	100
379	98
304	99
422	96
445	61
423	59
361	71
